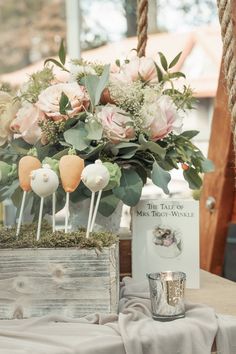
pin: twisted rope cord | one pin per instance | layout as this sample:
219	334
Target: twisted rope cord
142	24
229	55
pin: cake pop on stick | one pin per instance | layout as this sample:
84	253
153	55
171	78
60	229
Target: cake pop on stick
70	167
95	211
26	165
54	165
95	177
67	211
54	212
44	182
90	214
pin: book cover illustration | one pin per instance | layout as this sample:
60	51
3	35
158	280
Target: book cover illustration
166	237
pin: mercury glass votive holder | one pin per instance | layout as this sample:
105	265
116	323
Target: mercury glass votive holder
167	295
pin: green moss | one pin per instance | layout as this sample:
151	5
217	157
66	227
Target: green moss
27	238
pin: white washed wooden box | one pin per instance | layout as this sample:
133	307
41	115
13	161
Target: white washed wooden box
69	281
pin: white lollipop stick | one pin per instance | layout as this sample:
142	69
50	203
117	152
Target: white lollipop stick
53	212
40	218
90	214
95	210
21	214
67	211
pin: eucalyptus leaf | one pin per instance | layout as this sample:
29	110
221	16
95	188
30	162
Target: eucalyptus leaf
127	144
7	191
193	179
20	146
189	134
60	154
91	84
77	136
126	153
92	152
81	193
94	130
103	81
130	188
108	203
151	146
160	177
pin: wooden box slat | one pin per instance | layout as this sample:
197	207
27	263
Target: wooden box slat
70	282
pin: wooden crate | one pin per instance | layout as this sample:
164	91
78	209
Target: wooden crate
71	282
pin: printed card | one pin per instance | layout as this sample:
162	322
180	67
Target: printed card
166	237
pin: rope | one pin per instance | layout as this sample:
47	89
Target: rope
226	8
142	24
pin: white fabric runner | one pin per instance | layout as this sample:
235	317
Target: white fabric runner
132	331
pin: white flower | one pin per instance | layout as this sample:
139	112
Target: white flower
80	70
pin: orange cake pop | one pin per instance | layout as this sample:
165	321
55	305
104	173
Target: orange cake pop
27	164
70	167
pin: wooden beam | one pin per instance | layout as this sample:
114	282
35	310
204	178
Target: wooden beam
219	185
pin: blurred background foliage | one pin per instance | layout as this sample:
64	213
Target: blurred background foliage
32	29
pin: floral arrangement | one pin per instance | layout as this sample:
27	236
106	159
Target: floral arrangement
128	115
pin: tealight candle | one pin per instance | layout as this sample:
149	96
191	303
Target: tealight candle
167	295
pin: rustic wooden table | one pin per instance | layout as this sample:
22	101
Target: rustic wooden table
216	292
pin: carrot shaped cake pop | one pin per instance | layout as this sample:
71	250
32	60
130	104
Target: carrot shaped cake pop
70	167
26	165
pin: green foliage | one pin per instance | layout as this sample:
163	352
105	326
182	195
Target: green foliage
151	146
108	203
64	104
77	136
130	188
175	60
37	82
62	53
160	177
51	131
95	86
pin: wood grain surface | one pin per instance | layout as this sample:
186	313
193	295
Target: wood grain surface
70	282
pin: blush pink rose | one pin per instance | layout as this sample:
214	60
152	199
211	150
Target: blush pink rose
8	109
161	118
116	124
26	123
49	100
137	68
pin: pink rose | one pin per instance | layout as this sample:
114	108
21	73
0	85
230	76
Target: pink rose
8	109
26	123
161	118
49	100
137	68
116	124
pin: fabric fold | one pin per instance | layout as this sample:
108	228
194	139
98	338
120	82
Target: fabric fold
131	331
